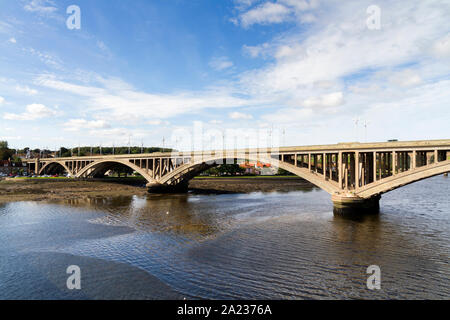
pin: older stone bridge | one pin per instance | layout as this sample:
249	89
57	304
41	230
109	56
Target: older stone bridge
354	174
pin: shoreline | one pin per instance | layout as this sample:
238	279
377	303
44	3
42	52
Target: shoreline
42	189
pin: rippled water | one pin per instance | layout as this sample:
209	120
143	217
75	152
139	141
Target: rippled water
251	246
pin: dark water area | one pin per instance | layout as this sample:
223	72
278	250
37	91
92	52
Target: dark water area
250	246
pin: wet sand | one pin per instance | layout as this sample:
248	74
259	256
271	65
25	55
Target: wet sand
66	189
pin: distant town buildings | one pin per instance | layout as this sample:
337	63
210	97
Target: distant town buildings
8	167
257	168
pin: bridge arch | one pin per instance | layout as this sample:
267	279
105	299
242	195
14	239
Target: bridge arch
188	171
402	179
51	165
98	166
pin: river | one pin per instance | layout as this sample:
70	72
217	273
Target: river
228	246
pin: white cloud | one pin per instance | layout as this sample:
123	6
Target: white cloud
240	116
220	63
255	51
46	58
301	5
33	112
41	6
341	46
117	100
26	90
158	122
406	78
275	12
2	100
78	124
325	101
215	121
441	48
288	115
265	13
12	40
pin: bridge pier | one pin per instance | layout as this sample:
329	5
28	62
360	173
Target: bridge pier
348	204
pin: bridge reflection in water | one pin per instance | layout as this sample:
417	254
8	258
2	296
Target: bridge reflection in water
354	174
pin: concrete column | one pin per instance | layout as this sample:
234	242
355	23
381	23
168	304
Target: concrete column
339	169
357	170
295	160
435	156
406	158
394	163
316	160
309	161
382	165
153	169
330	166
374	166
346	171
324	165
364	169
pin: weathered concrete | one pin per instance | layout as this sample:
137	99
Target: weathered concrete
350	204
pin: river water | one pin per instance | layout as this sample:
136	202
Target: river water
250	246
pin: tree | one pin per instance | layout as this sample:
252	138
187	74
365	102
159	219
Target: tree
5	152
64	152
226	170
282	172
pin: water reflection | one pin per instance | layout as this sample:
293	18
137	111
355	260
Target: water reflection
258	245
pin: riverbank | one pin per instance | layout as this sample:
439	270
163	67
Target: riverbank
63	189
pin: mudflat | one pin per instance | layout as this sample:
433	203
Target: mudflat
61	189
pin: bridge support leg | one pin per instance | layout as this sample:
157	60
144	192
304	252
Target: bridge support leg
181	187
350	205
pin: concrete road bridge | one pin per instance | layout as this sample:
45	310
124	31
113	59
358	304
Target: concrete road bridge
354	174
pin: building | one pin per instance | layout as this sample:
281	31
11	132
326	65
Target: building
8	167
257	168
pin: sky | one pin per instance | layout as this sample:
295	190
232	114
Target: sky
193	74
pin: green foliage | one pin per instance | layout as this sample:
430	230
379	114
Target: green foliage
5	152
225	170
282	172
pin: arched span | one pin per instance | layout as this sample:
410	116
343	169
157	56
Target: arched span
92	167
402	179
50	164
189	170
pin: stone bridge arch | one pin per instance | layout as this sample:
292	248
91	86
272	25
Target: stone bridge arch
48	166
97	166
402	179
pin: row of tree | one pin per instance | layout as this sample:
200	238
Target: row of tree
6	153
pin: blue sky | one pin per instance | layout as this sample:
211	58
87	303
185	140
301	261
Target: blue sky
298	71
